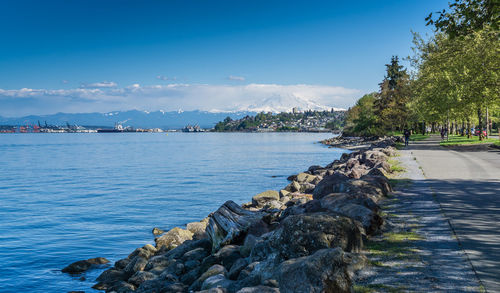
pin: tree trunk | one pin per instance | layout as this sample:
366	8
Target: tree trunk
447	125
463	128
230	223
487	123
480	124
468	128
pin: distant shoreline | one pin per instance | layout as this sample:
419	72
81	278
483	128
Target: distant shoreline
168	131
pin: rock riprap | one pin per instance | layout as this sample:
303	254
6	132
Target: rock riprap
84	265
304	238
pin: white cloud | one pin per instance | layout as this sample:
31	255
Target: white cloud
238	78
102	84
165	78
171	97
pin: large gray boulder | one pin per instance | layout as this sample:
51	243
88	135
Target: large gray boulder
305	178
332	200
263	197
188	245
146	251
369	219
83	265
191	276
302	235
228	255
373	157
198	228
330	184
324	271
197	254
216	281
119	287
173	238
138	263
236	268
140	277
374	186
109	278
213	290
259	289
212	271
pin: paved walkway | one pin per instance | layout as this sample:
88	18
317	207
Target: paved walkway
466	183
418	251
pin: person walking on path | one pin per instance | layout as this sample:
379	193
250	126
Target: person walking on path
407	136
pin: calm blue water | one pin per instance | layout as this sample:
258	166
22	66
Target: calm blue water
67	197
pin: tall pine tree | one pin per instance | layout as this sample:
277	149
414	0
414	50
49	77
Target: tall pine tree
390	106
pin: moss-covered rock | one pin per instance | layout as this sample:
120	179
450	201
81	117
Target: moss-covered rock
173	238
263	197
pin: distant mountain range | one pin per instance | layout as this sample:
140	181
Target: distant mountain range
145	119
135	118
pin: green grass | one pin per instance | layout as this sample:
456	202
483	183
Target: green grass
402	236
400	183
418	136
394	245
394	133
370	288
400	145
482	289
463	140
395	166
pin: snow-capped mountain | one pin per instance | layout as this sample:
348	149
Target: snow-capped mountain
284	103
173	119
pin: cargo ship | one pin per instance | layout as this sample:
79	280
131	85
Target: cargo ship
118	128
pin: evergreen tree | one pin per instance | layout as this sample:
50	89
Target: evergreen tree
390	106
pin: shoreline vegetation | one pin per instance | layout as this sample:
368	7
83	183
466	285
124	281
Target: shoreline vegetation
296	121
307	237
452	85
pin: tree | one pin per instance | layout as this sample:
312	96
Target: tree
458	77
361	119
390	105
466	16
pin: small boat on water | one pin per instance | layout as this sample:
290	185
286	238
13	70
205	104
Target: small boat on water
118	128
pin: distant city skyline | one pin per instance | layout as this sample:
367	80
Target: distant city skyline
88	56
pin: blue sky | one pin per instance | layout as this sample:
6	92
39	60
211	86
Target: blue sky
99	45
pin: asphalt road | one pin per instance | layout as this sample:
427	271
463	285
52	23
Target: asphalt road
466	182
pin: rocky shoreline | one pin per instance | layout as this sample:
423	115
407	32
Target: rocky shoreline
305	238
357	143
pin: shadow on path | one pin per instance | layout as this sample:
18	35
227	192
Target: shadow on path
466	183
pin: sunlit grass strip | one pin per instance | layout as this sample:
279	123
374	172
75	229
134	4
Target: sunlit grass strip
418	136
463	140
395	166
394	245
371	288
